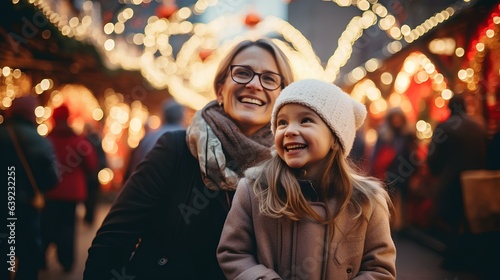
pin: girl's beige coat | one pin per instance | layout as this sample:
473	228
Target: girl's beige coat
254	246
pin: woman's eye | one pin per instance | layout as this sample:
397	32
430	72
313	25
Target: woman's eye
243	73
269	78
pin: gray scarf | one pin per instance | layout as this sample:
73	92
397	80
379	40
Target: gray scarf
222	150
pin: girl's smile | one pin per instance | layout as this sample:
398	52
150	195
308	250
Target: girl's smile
302	138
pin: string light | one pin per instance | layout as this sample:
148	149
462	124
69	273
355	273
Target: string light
155	39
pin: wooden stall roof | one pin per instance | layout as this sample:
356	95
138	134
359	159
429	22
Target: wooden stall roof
29	42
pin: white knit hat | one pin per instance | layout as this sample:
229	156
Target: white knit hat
341	112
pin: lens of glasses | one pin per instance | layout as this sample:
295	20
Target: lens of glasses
243	75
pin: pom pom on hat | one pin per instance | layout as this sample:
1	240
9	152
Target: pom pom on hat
339	111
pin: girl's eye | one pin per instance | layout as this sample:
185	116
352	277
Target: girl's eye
281	122
307	120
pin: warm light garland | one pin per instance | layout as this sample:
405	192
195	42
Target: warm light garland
416	67
180	75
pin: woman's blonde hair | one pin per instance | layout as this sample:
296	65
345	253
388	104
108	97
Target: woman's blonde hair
280	195
282	61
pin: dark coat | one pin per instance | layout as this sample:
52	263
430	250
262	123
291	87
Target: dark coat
457	144
41	159
167	207
39	154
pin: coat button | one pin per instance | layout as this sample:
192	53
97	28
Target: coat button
162	261
349	270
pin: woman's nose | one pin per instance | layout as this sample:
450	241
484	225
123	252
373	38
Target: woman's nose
254	83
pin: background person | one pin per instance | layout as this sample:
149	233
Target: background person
494	148
391	163
458	144
172	120
170	213
41	159
93	184
76	158
305	214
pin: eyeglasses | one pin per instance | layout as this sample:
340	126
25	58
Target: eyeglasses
244	74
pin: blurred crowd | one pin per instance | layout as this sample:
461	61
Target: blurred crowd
63	168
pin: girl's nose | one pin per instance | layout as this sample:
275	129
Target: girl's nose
291	131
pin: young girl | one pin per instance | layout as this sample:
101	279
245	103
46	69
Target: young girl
305	213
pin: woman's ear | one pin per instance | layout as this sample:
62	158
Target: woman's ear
220	100
218	94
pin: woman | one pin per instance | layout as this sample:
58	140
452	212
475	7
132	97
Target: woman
167	221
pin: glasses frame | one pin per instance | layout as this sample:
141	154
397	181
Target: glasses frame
256	74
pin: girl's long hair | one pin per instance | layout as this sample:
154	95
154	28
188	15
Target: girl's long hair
280	195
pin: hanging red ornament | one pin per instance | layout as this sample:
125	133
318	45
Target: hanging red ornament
166	11
107	16
204	54
252	19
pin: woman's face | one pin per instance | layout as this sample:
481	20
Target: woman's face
250	105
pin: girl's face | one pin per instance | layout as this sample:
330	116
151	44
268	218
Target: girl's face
302	138
250	105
